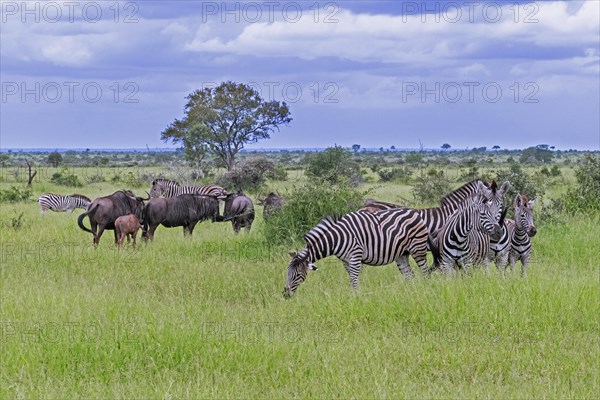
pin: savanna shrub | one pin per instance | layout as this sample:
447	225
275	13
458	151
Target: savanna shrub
306	205
520	182
586	195
429	188
279	173
334	165
65	178
15	195
249	175
401	175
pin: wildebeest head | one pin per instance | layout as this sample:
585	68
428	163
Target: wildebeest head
271	203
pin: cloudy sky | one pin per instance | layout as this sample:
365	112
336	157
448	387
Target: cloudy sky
474	73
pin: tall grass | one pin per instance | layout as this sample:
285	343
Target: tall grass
203	317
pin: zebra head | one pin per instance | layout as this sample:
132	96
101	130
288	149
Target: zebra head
495	195
160	186
488	211
297	271
524	214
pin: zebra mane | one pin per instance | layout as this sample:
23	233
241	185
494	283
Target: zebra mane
164	180
461	193
80	196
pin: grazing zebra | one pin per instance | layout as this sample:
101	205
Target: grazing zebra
361	237
464	239
435	217
515	244
61	203
169	188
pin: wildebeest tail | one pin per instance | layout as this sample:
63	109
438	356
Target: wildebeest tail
82	216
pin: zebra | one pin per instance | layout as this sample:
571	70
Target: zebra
62	203
435	217
515	243
169	188
362	237
464	239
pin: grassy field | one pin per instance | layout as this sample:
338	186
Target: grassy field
203	317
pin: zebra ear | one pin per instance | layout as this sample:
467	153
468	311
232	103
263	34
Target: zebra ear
292	254
504	188
518	201
481	188
531	203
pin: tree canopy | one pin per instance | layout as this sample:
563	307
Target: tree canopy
223	119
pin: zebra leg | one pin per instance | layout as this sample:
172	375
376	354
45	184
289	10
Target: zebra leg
524	263
421	260
353	268
501	262
404	266
487	262
512	259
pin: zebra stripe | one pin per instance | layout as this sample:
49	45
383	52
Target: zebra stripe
61	203
362	237
169	188
464	239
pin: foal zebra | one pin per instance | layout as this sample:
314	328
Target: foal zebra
362	237
515	243
61	203
169	188
464	239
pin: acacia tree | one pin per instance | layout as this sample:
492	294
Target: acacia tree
223	119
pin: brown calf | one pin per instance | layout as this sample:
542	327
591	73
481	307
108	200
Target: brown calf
126	225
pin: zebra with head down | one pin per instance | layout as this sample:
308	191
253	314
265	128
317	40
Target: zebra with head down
362	237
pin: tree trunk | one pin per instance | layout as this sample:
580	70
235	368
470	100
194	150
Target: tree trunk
31	176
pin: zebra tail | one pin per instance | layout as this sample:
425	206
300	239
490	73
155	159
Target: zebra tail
81	217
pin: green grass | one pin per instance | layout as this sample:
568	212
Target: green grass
203	317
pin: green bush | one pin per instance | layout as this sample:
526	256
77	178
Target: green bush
429	188
586	196
306	205
249	175
15	195
279	173
334	165
64	178
521	182
401	175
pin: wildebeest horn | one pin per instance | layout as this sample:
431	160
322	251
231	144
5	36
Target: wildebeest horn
147	194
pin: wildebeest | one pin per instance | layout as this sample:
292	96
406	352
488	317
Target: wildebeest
184	210
272	203
126	225
239	210
103	212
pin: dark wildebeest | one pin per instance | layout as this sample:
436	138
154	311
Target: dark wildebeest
272	203
103	212
239	210
126	225
184	210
